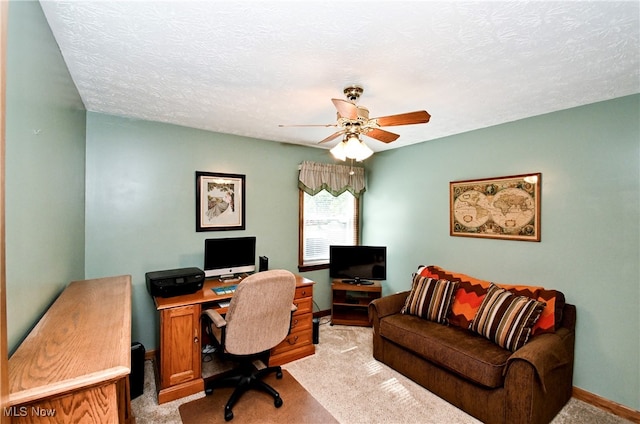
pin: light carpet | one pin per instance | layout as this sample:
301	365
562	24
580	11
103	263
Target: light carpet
356	389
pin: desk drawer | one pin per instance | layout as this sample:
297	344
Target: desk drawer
304	292
305	305
301	322
292	355
293	341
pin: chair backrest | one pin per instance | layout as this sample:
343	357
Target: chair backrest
259	314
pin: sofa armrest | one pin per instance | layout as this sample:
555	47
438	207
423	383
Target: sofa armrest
546	352
387	305
539	378
378	309
569	317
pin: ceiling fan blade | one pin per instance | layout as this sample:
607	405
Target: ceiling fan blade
381	135
309	125
332	136
419	117
346	109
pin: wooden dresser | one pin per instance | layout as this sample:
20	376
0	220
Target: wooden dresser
74	365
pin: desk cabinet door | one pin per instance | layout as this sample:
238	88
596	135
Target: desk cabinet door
180	345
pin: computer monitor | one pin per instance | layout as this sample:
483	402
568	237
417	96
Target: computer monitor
229	256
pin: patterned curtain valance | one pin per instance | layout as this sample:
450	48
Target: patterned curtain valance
336	179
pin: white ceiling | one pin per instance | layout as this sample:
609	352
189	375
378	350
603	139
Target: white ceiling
243	67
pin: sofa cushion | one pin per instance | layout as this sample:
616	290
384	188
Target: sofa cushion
468	297
551	317
471	291
430	298
506	319
459	350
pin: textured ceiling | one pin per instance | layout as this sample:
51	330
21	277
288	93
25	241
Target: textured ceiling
243	67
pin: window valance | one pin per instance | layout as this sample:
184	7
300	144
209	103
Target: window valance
336	179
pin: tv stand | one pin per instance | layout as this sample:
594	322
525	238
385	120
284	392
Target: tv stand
350	302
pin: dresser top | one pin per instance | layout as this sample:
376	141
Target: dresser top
83	339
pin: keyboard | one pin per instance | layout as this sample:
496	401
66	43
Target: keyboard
225	289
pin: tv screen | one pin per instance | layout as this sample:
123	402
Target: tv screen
358	263
229	256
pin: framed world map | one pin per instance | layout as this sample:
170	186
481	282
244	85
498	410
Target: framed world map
502	207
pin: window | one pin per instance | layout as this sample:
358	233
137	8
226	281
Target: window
325	220
329	210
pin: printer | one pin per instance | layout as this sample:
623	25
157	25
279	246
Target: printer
174	282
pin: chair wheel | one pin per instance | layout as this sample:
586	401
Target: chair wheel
228	415
279	375
208	391
277	402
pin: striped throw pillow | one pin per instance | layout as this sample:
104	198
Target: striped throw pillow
471	291
430	299
506	319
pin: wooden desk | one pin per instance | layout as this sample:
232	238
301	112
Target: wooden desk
75	363
179	360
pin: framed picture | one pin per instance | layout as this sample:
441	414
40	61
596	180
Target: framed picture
220	201
502	208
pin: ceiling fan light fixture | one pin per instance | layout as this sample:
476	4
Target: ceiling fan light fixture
354	148
364	152
338	151
351	147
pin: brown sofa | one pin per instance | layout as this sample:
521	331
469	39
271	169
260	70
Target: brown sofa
491	383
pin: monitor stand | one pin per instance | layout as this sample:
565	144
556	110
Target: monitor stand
229	278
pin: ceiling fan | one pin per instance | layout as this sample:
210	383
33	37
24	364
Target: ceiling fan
353	120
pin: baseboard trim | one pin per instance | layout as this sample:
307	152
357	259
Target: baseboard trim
578	393
320	314
606	405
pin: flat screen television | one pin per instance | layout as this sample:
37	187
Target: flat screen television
358	264
225	257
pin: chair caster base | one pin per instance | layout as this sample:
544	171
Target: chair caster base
277	402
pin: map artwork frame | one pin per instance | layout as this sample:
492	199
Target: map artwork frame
499	208
220	201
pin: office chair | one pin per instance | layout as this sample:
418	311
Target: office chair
258	319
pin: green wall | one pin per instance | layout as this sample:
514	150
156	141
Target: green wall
589	159
140	213
45	136
140	205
